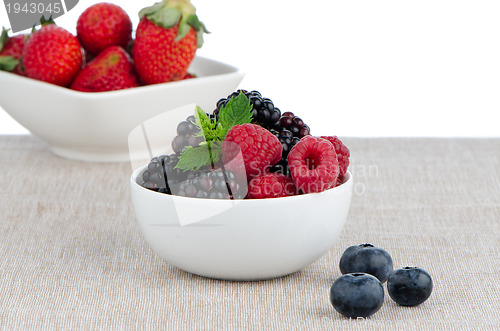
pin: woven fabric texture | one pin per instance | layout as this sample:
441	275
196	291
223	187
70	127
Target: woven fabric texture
72	255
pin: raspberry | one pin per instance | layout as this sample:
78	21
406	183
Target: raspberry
270	185
342	151
313	164
259	148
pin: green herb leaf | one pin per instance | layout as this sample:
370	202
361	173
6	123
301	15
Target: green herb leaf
238	110
193	158
208	128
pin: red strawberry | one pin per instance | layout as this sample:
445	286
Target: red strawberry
53	55
11	49
189	76
111	70
103	25
166	41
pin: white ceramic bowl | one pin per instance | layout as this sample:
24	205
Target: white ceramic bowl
95	126
241	239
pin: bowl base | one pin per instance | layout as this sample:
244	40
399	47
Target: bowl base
90	156
241	278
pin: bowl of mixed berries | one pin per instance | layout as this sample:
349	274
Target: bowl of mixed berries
242	193
82	93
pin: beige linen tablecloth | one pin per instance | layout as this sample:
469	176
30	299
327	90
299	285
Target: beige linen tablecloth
72	256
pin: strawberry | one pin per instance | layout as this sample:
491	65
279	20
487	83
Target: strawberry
166	41
189	76
11	49
53	55
103	25
111	70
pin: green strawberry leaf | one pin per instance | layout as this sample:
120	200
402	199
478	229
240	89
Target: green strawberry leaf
4	36
199	39
8	63
166	18
196	24
169	13
193	158
184	28
44	21
150	10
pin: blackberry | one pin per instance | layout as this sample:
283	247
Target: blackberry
186	135
292	123
287	127
160	174
287	141
265	113
211	184
289	130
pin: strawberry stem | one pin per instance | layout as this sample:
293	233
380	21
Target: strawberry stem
168	13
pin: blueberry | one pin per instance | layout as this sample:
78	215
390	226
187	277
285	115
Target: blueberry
357	295
409	286
368	259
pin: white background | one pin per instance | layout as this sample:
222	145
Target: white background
359	67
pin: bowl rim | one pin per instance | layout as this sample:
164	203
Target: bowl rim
130	91
348	178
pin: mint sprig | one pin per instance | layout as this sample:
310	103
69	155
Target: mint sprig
237	111
193	158
207	127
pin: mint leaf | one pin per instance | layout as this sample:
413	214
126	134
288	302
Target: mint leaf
194	158
238	110
208	128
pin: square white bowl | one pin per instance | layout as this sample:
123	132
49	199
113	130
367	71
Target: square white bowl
95	126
